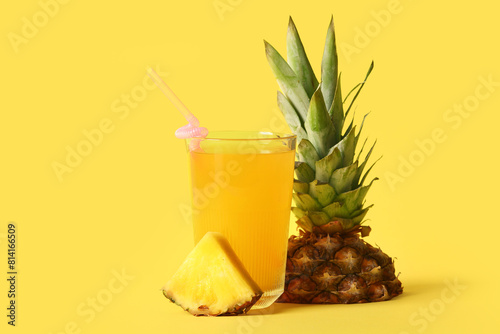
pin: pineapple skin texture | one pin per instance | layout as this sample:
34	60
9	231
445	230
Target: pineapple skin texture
338	268
212	281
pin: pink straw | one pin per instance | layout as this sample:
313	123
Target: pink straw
190	130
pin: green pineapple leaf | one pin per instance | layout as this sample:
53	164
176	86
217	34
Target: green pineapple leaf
345	222
322	192
305	223
353	200
349	128
347	146
342	179
307	153
319	127
288	81
318	218
300	187
306	202
299	213
361	149
350	92
362	166
303	172
298	61
336	209
326	166
330	174
360	128
359	216
360	87
291	117
329	67
368	171
336	111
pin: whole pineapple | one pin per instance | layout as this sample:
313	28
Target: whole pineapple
328	262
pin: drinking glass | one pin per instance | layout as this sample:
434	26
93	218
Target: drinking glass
241	186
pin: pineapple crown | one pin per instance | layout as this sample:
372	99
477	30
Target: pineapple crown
329	188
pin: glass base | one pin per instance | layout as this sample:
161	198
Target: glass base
267	299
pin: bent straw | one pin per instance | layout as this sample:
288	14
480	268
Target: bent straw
170	94
190	130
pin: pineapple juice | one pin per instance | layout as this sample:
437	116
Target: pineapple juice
245	192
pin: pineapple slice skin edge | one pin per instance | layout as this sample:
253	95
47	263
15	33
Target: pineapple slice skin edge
204	310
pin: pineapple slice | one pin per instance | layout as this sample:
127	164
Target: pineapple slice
212	280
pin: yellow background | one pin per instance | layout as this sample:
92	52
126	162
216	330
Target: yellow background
118	211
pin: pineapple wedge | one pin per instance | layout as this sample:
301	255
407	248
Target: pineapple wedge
212	281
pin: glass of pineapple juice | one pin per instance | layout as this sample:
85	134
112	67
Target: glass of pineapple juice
242	187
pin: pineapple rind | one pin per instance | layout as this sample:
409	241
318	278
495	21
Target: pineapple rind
337	267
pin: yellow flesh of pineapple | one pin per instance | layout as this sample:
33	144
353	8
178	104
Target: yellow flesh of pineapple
212	280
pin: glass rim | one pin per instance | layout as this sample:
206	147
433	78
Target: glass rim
240	136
